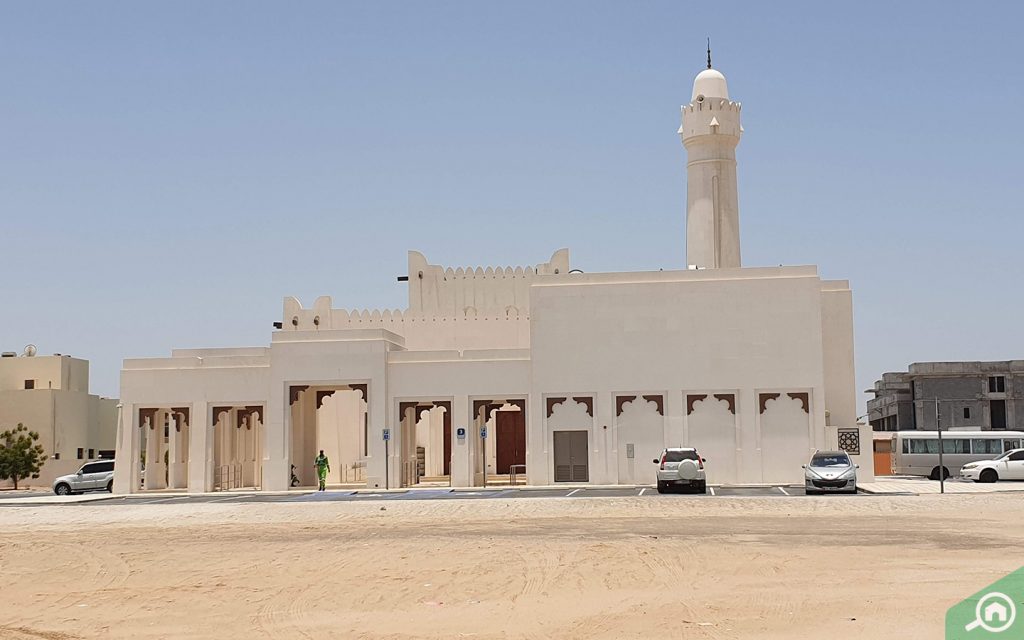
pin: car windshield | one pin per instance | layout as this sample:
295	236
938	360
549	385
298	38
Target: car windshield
679	456
830	460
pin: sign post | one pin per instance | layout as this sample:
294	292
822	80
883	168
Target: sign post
387	475
483	438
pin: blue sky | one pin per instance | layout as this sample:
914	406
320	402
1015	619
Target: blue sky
169	172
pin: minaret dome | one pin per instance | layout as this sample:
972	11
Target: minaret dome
710	83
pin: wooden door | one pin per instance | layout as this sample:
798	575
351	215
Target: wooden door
510	440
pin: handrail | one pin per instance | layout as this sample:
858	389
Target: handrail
512	473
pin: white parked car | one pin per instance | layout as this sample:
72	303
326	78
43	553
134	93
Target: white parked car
93	476
1009	466
681	468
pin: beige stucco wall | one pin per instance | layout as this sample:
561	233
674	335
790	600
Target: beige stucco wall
48	372
837	336
741	331
65	421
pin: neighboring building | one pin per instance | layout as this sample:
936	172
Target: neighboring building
982	395
50	395
539	372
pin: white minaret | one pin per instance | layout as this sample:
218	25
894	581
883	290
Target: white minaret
710	132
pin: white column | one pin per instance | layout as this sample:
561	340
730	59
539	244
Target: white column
173	467
539	444
378	416
276	443
126	468
154	452
200	449
462	448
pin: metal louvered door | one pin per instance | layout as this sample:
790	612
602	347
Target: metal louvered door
571	459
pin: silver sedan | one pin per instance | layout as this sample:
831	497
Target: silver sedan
830	472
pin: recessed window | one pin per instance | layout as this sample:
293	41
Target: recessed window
81	453
30	384
997	384
997	409
92	453
967	413
56	456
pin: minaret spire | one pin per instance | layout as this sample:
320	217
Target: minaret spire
709	53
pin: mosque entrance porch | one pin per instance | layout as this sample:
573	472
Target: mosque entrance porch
501	432
332	418
237	447
163	447
426	443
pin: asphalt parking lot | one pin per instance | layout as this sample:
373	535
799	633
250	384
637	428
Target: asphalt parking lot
349	495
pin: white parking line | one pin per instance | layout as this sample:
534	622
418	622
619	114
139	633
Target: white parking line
167	499
572	492
784	492
712	490
642	491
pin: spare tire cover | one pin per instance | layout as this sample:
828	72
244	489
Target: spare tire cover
687	469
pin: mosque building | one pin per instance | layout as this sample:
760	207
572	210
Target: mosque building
533	375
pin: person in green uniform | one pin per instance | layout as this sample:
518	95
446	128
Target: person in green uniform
323	466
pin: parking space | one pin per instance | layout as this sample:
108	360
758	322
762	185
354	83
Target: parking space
490	493
761	492
611	492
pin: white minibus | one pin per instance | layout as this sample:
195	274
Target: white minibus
916	453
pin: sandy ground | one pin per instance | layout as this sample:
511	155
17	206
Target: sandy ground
868	567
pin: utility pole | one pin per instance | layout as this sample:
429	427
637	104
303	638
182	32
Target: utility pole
942	467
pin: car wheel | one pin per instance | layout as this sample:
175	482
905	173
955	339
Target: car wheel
988	475
934	475
110	487
661	487
702	487
62	489
811	492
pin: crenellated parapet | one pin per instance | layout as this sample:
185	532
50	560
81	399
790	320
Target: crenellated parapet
447	292
507	328
711	116
449	308
322	317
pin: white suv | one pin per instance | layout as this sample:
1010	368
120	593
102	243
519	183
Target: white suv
681	468
93	476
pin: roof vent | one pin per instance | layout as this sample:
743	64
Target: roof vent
9	354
